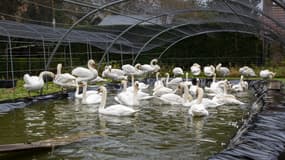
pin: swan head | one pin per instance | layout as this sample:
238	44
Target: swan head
136	86
154	60
196	65
102	89
138	66
91	63
167	74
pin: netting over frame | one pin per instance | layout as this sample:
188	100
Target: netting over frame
138	26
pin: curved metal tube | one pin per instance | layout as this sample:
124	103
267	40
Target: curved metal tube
158	34
125	31
196	34
77	22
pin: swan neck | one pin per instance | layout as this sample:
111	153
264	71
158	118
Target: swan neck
103	100
133	80
84	96
59	67
186	79
200	93
186	95
151	62
214	77
157	76
167	80
125	86
45	73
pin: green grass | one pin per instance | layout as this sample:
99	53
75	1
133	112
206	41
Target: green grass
20	92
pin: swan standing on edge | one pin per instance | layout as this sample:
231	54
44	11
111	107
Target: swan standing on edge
150	68
198	109
266	74
195	69
247	71
178	71
84	74
65	80
113	110
209	70
223	71
34	83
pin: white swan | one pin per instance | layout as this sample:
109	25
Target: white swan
113	74
209	70
177	71
198	109
215	87
187	82
226	98
223	71
35	83
65	80
91	98
241	86
195	69
128	97
84	74
247	71
150	68
113	110
266	74
132	70
161	90
208	103
157	82
78	95
174	82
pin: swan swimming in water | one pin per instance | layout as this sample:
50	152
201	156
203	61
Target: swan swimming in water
241	86
226	98
150	68
91	98
113	110
65	80
198	109
35	83
174	82
84	74
128	97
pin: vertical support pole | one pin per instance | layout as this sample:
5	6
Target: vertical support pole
30	64
70	55
11	62
87	51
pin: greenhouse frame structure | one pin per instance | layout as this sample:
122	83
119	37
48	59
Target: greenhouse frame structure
148	28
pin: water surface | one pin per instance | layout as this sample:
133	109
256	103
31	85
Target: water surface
156	132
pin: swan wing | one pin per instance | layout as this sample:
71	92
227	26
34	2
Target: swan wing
118	110
93	98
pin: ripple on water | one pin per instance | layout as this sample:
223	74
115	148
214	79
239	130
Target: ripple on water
156	132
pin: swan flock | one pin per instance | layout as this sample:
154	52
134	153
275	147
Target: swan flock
167	90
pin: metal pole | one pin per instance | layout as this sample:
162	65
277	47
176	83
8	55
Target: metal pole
70	54
11	61
77	22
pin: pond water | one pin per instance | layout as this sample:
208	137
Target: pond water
156	132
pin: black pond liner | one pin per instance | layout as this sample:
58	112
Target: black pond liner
262	136
9	105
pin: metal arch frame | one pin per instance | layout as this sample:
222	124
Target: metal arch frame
173	27
200	33
125	31
158	34
10	52
77	22
157	16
